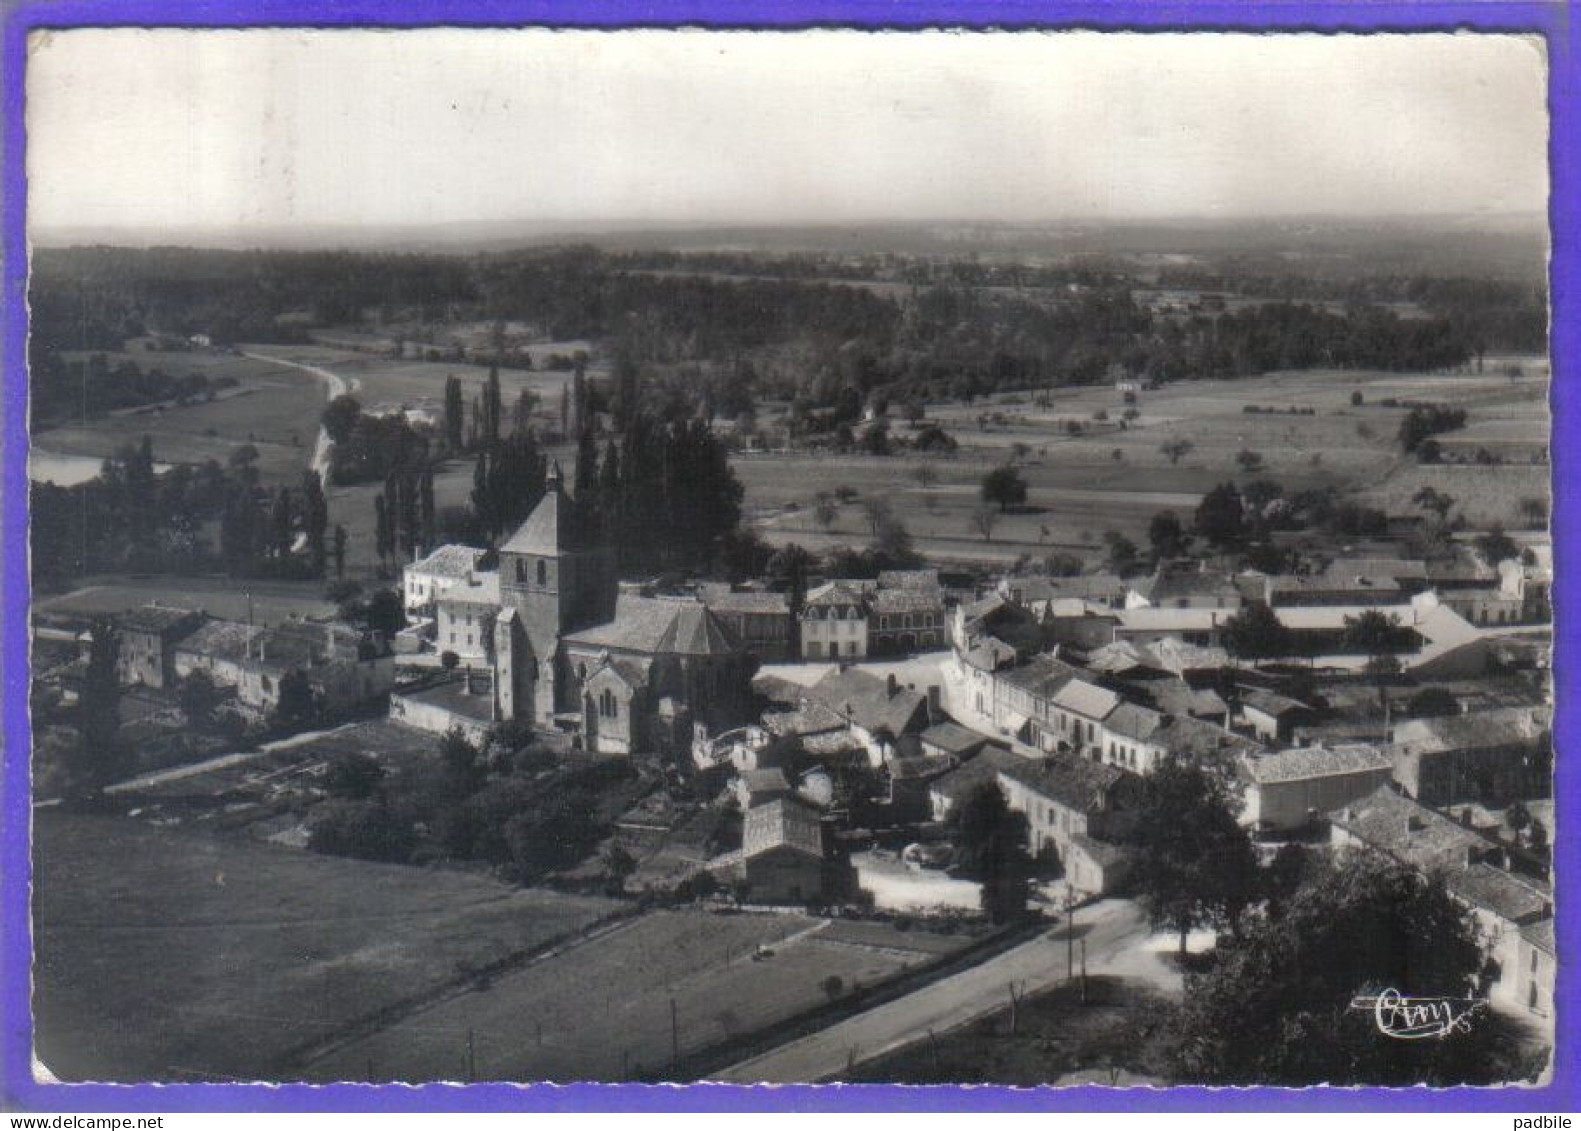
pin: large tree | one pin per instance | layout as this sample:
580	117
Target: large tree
991	845
1005	487
1256	633
1196	866
1166	536
1221	516
1278	1005
101	754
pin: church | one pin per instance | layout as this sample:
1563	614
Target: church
571	652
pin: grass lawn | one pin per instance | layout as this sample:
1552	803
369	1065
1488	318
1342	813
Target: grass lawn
603	1007
168	956
1118	1037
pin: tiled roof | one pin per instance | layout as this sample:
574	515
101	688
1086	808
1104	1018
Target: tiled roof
479	589
1308	762
153	618
953	737
833	593
1498	727
783	823
907	601
765	780
1095	586
722	599
1086	699
1540	935
915	769
448	561
866	701
654	625
1042	676
809	718
1271	703
1493	889
955	785
1132	721
1101	852
1166	587
1411	833
908	579
221	640
1073	781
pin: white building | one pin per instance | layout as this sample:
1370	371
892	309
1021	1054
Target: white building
424	581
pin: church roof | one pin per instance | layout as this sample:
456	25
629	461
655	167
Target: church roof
655	625
547	529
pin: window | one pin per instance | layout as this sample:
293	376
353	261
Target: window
607	705
543	573
521	571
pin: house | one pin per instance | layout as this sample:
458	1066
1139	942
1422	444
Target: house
1287	791
423	581
1535	961
1184	589
217	648
834	623
761	621
906	620
1105	590
346	668
947	791
952	741
1203	628
146	642
782	853
1271	716
464	616
759	787
1491	756
1473	869
1069	802
910	781
883	716
1021	697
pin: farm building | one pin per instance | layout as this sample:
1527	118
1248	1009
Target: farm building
1287	791
345	667
1490	756
782	854
882	716
217	648
147	639
1273	717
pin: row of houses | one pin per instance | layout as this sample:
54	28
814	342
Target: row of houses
158	646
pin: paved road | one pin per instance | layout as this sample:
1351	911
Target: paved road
1116	934
335	386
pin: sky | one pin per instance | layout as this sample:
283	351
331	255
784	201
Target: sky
260	129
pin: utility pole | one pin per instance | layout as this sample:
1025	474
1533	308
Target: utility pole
472	1059
1084	971
675	1035
1070	933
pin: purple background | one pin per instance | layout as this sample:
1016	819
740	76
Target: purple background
17	1089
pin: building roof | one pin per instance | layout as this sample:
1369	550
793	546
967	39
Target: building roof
1093	586
1201	740
765	780
1100	852
1068	779
221	640
473	589
953	738
722	599
833	594
1306	763
782	823
1177	697
448	561
1180	583
154	618
657	625
955	785
907	601
1271	703
1086	699
547	530
629	673
1540	934
867	702
908	579
1411	833
808	718
1500	726
1042	676
1130	720
1172	620
920	769
1511	898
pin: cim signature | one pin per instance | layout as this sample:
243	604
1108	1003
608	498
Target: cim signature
1414	1018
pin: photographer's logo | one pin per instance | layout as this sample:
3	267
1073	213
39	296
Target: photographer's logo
1415	1018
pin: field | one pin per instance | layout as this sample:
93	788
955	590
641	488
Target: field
167	956
601	1010
276	410
269	602
1113	479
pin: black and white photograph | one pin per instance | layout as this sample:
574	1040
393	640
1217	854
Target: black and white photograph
792	557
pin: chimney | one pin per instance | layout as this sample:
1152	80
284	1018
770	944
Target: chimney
891	685
1414	824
